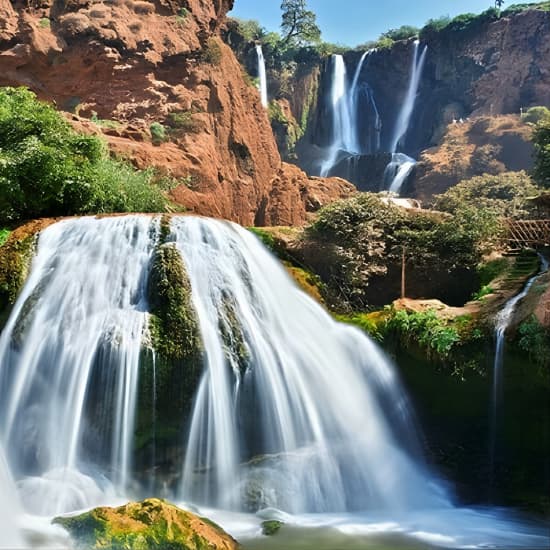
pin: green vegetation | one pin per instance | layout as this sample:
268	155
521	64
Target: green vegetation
298	25
503	195
212	54
405	32
534	339
182	120
48	169
534	115
541	141
44	23
363	237
182	15
485	290
4	234
158	133
490	270
152	524
271	527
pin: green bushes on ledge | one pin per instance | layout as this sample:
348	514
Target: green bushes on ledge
49	169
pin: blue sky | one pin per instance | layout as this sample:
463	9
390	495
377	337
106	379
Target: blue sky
353	22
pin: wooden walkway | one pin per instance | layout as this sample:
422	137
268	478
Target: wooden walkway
527	234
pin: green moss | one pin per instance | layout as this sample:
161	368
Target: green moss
232	335
149	525
15	257
271	527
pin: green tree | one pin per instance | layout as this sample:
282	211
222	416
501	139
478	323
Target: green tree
499	3
541	141
299	26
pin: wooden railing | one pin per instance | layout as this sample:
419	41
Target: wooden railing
527	234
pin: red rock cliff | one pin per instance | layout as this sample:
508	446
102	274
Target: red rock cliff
128	64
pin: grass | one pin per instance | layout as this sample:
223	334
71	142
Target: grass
4	234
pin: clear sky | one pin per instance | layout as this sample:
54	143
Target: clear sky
353	22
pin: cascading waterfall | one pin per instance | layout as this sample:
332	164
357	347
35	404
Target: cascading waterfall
292	410
401	165
262	75
9	508
80	317
319	393
502	323
344	106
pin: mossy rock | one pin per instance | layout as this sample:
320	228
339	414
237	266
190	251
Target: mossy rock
271	527
153	524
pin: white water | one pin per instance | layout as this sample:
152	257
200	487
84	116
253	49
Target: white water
316	400
344	106
407	108
397	172
262	75
401	165
81	315
502	322
9	508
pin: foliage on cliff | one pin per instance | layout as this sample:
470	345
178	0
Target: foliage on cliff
48	169
363	236
505	195
153	524
541	139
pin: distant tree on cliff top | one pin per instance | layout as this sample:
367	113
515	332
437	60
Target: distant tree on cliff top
499	3
299	25
541	141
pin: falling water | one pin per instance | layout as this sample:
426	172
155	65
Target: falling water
293	410
502	322
320	394
262	75
404	118
9	508
344	103
401	165
80	318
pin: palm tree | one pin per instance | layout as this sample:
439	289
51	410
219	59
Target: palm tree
498	3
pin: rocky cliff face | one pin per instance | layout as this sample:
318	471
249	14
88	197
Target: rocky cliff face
493	67
157	81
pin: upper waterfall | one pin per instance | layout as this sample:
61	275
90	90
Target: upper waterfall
330	420
262	75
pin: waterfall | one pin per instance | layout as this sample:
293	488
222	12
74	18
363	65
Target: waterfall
9	508
262	75
344	107
502	322
80	318
401	165
407	108
291	404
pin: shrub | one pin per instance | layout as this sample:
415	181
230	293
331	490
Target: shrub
534	115
44	23
48	169
250	29
505	194
158	133
541	141
534	339
402	33
212	54
74	23
4	234
182	120
182	15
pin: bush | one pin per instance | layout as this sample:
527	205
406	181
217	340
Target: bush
541	141
534	115
535	340
505	195
158	133
44	23
143	8
182	120
212	54
402	33
48	169
250	29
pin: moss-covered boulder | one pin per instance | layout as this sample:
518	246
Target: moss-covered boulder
149	525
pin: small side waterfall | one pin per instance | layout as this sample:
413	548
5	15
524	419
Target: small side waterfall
501	326
402	165
262	75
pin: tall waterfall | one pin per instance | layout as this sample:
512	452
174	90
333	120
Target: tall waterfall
344	107
502	323
262	75
9	508
310	418
401	165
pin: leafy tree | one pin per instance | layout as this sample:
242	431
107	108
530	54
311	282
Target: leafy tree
299	24
537	114
48	169
504	194
402	33
499	4
541	140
